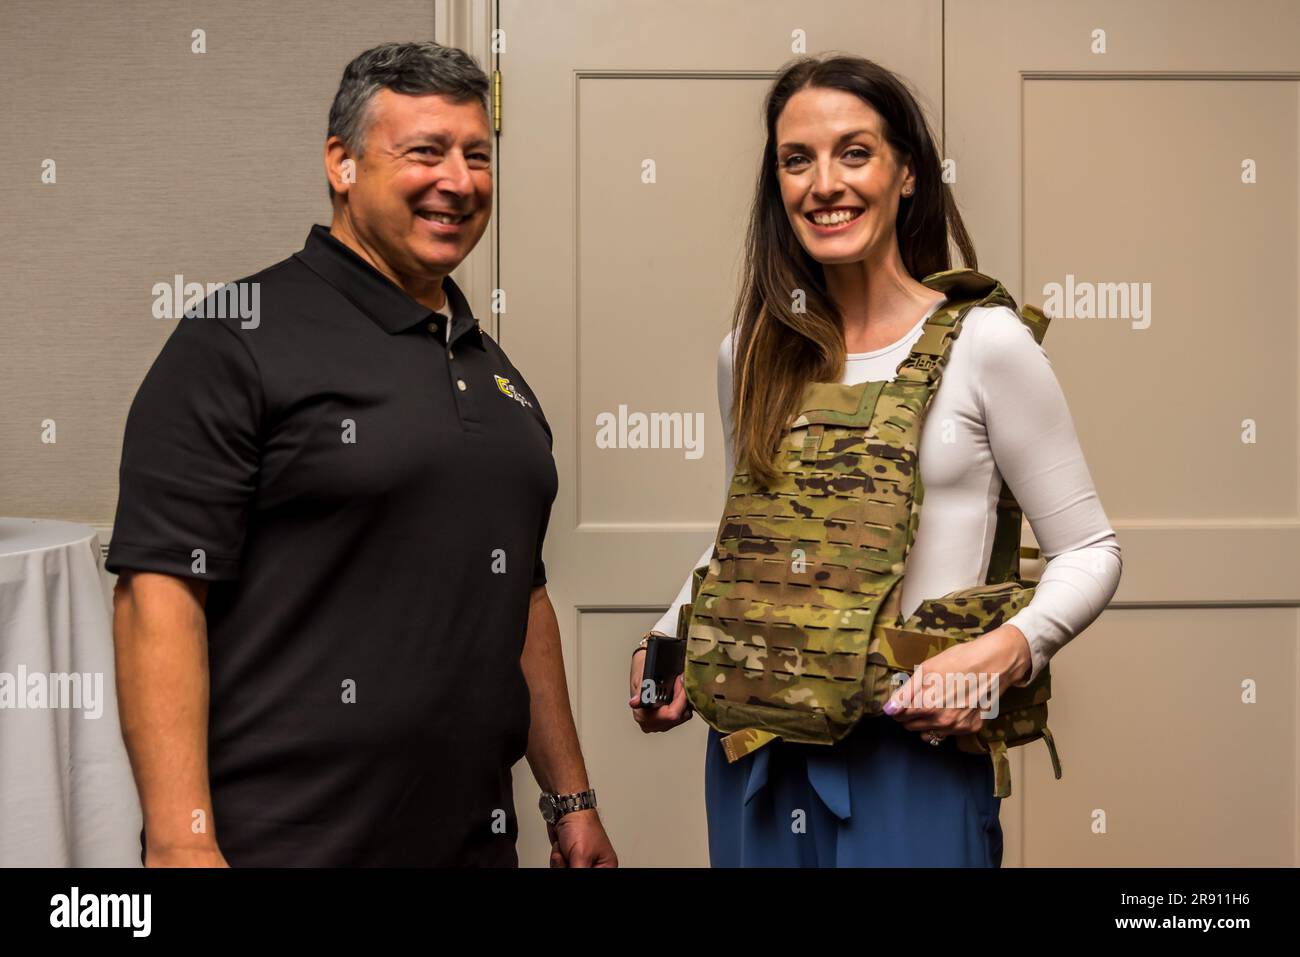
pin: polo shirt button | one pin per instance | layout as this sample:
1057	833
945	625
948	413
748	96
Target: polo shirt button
432	327
460	384
450	354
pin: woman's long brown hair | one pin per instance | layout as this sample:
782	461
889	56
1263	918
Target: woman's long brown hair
778	350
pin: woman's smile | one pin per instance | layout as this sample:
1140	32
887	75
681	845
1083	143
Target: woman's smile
833	219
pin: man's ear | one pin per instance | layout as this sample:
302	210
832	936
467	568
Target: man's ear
340	165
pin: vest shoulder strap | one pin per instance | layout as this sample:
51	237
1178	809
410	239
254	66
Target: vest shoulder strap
961	285
964	288
1004	558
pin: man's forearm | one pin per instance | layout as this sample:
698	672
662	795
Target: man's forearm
160	639
553	751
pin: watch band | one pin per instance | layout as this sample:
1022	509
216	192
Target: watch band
581	801
555	806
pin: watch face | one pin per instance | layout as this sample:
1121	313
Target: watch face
547	808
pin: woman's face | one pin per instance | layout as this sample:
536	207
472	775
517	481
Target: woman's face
840	182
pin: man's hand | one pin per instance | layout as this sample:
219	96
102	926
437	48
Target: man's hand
579	840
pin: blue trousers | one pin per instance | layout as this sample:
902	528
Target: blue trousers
881	797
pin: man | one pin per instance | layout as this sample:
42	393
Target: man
332	629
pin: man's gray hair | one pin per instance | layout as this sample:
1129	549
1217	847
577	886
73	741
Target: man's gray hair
410	68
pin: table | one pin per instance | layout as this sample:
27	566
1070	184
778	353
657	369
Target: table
67	798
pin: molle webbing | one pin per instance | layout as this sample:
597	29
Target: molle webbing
804	567
785	629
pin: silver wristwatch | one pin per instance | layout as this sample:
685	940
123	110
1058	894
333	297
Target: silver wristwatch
555	806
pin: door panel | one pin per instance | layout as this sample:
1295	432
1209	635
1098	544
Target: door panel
619	291
1126	167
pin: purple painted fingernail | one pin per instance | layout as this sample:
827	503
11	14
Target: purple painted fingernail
891	707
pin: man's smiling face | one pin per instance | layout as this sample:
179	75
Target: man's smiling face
423	190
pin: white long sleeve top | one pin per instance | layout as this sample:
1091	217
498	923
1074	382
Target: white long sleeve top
1009	419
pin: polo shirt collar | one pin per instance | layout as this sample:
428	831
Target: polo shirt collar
378	296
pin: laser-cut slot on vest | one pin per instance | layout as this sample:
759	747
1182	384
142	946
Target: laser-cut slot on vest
841	517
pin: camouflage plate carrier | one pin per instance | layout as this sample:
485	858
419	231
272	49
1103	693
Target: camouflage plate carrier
795	628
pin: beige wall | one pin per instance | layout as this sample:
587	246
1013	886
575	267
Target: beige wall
167	161
1115	166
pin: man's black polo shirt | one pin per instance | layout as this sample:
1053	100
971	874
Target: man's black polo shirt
369	503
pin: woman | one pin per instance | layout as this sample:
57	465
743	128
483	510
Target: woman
850	211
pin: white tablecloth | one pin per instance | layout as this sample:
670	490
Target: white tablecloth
67	798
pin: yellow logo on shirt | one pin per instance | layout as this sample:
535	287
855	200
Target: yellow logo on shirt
507	389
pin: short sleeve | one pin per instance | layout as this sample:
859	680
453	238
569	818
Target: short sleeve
190	457
539	566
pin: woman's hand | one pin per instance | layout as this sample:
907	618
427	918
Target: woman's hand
995	660
666	716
